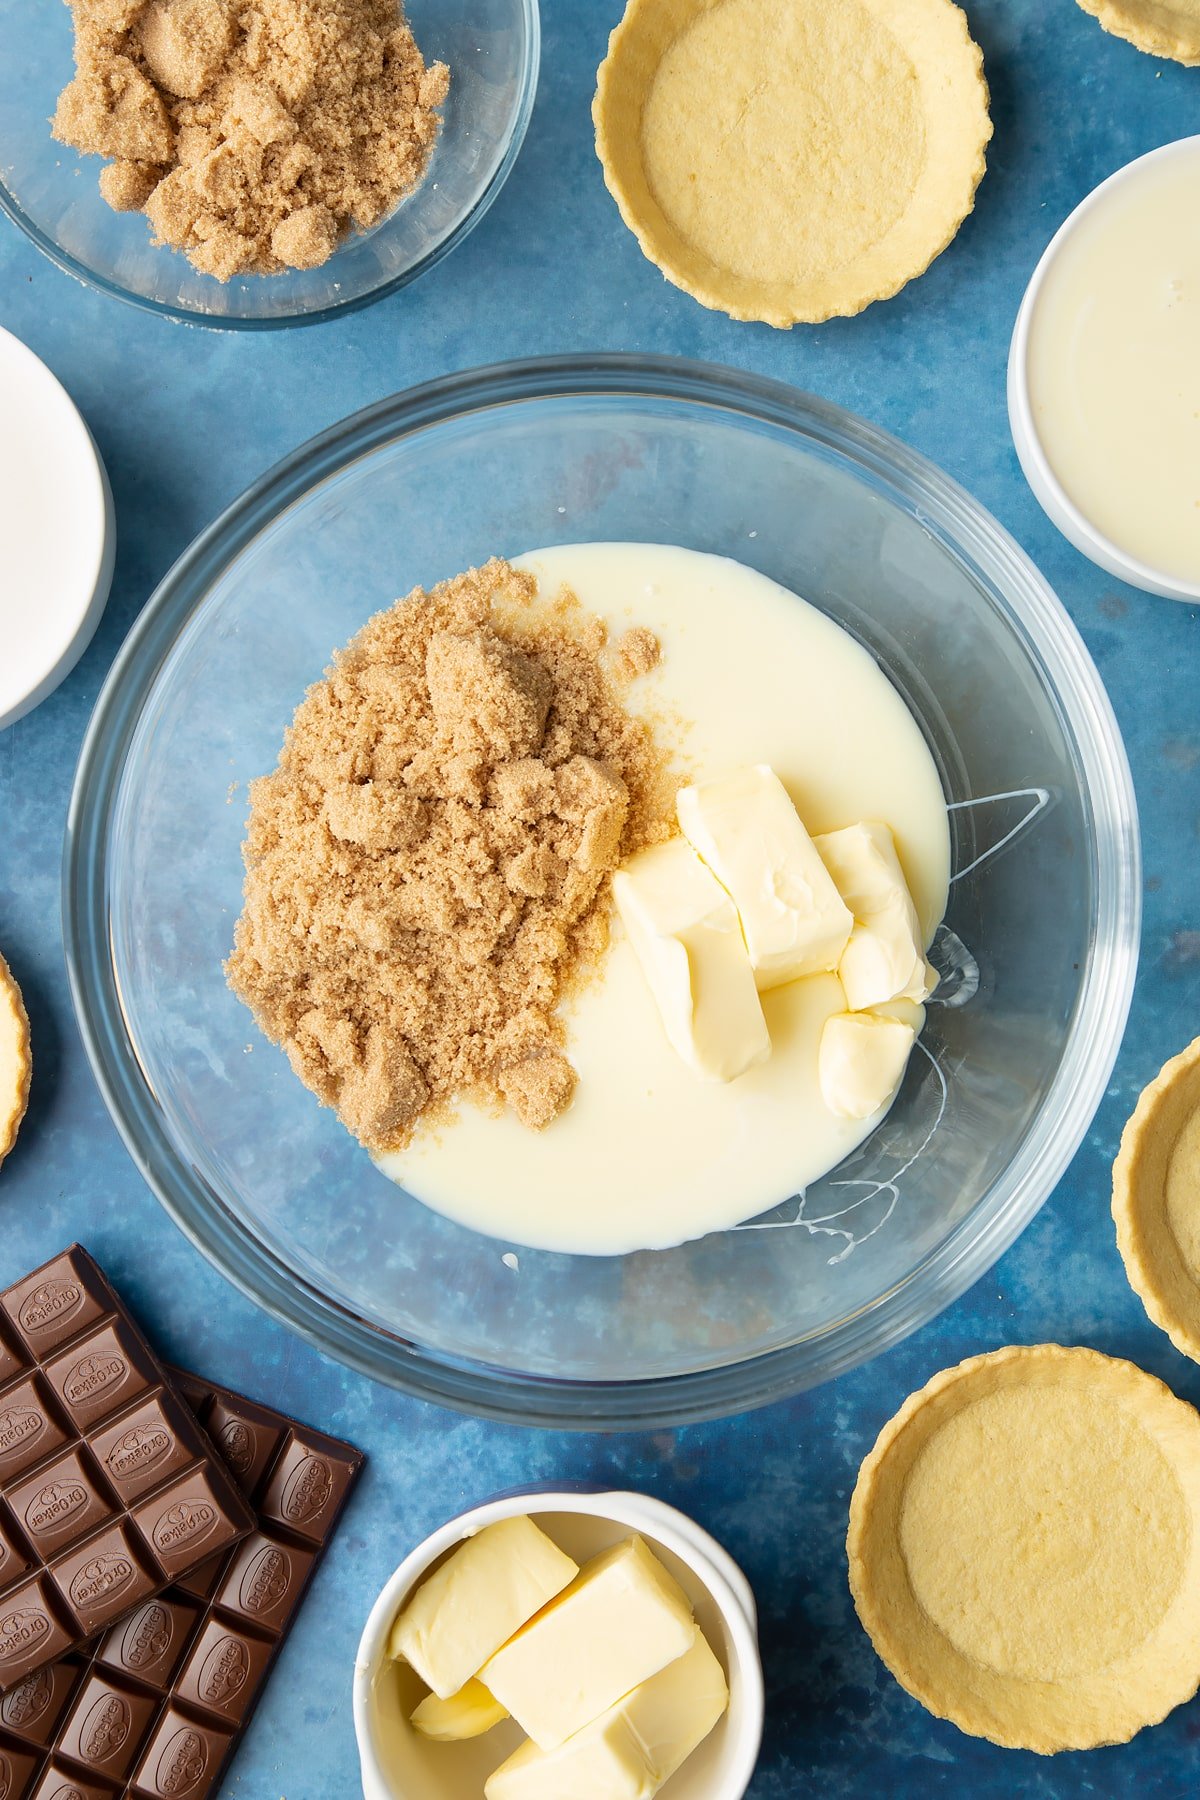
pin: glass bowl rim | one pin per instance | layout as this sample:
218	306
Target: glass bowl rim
187	315
1031	610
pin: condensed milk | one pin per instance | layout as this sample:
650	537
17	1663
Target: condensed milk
1106	373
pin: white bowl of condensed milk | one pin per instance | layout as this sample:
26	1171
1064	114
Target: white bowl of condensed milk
1104	374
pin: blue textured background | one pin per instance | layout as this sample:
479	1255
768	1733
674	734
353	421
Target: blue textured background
185	419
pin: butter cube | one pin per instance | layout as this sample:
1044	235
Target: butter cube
885	957
474	1602
629	1751
861	1061
685	933
604	1761
467	1714
752	838
621	1620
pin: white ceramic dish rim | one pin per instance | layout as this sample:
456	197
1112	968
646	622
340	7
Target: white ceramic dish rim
1053	498
82	628
712	1565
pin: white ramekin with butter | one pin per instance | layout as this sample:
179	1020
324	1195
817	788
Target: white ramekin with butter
1104	375
401	1762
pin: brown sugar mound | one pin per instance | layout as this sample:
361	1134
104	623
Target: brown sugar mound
253	133
427	868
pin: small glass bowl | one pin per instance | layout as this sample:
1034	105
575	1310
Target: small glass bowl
52	193
1038	949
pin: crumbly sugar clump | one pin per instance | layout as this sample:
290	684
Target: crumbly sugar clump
253	133
427	868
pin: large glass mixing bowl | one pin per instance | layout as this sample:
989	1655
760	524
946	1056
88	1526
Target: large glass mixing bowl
51	192
1038	949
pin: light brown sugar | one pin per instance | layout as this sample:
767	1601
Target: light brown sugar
427	868
253	133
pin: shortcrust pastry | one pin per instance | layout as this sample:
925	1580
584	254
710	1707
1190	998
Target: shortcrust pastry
14	1059
1159	27
1024	1551
1156	1200
792	160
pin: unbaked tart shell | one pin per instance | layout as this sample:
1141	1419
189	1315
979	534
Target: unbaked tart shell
792	160
1156	1200
15	1065
1159	27
1024	1548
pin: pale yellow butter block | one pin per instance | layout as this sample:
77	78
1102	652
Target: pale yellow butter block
685	933
475	1601
884	958
673	1712
467	1714
754	841
631	1750
604	1761
621	1620
861	1061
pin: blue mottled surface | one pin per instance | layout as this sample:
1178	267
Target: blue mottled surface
185	419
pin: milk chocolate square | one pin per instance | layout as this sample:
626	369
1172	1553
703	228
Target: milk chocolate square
103	1578
305	1489
106	1726
61	1503
55	1303
182	1760
16	1770
29	1428
33	1630
144	1448
247	1438
185	1522
61	1782
263	1579
100	1373
32	1709
223	1670
149	1643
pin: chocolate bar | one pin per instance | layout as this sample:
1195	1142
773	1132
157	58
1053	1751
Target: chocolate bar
154	1709
109	1488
